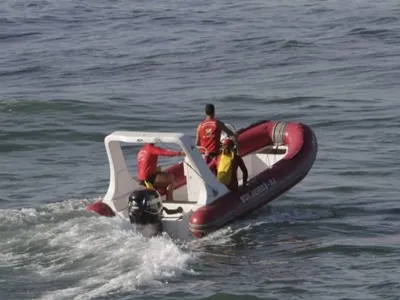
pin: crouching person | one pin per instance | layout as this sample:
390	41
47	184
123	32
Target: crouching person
148	173
226	164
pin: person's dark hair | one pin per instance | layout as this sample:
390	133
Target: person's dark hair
210	110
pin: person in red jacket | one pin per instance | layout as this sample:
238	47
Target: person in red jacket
208	135
147	159
226	164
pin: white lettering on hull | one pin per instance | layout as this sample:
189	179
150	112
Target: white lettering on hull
258	190
153	201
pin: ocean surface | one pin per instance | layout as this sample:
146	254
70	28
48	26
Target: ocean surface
73	71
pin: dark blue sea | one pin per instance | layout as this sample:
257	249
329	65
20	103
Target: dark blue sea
73	71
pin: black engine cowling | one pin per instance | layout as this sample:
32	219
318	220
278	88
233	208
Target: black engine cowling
145	211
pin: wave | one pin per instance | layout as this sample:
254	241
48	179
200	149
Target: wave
17	35
370	32
25	70
295	44
231	296
41	106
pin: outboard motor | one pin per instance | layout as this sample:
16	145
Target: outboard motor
145	211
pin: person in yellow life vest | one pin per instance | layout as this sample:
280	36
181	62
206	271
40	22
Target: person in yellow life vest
226	164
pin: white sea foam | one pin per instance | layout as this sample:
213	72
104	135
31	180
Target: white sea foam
97	255
61	243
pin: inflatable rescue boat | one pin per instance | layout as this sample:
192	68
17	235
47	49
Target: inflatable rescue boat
278	155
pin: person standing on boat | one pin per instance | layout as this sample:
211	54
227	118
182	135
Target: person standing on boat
208	134
147	159
226	164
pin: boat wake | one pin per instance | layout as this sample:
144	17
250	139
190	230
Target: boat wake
73	254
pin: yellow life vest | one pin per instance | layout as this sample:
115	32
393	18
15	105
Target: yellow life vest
149	185
224	172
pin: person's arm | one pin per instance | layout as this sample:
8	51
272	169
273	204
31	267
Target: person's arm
223	127
243	167
198	136
164	152
213	165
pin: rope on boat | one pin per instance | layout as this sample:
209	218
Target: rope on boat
278	135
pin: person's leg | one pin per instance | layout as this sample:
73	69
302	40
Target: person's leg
165	181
